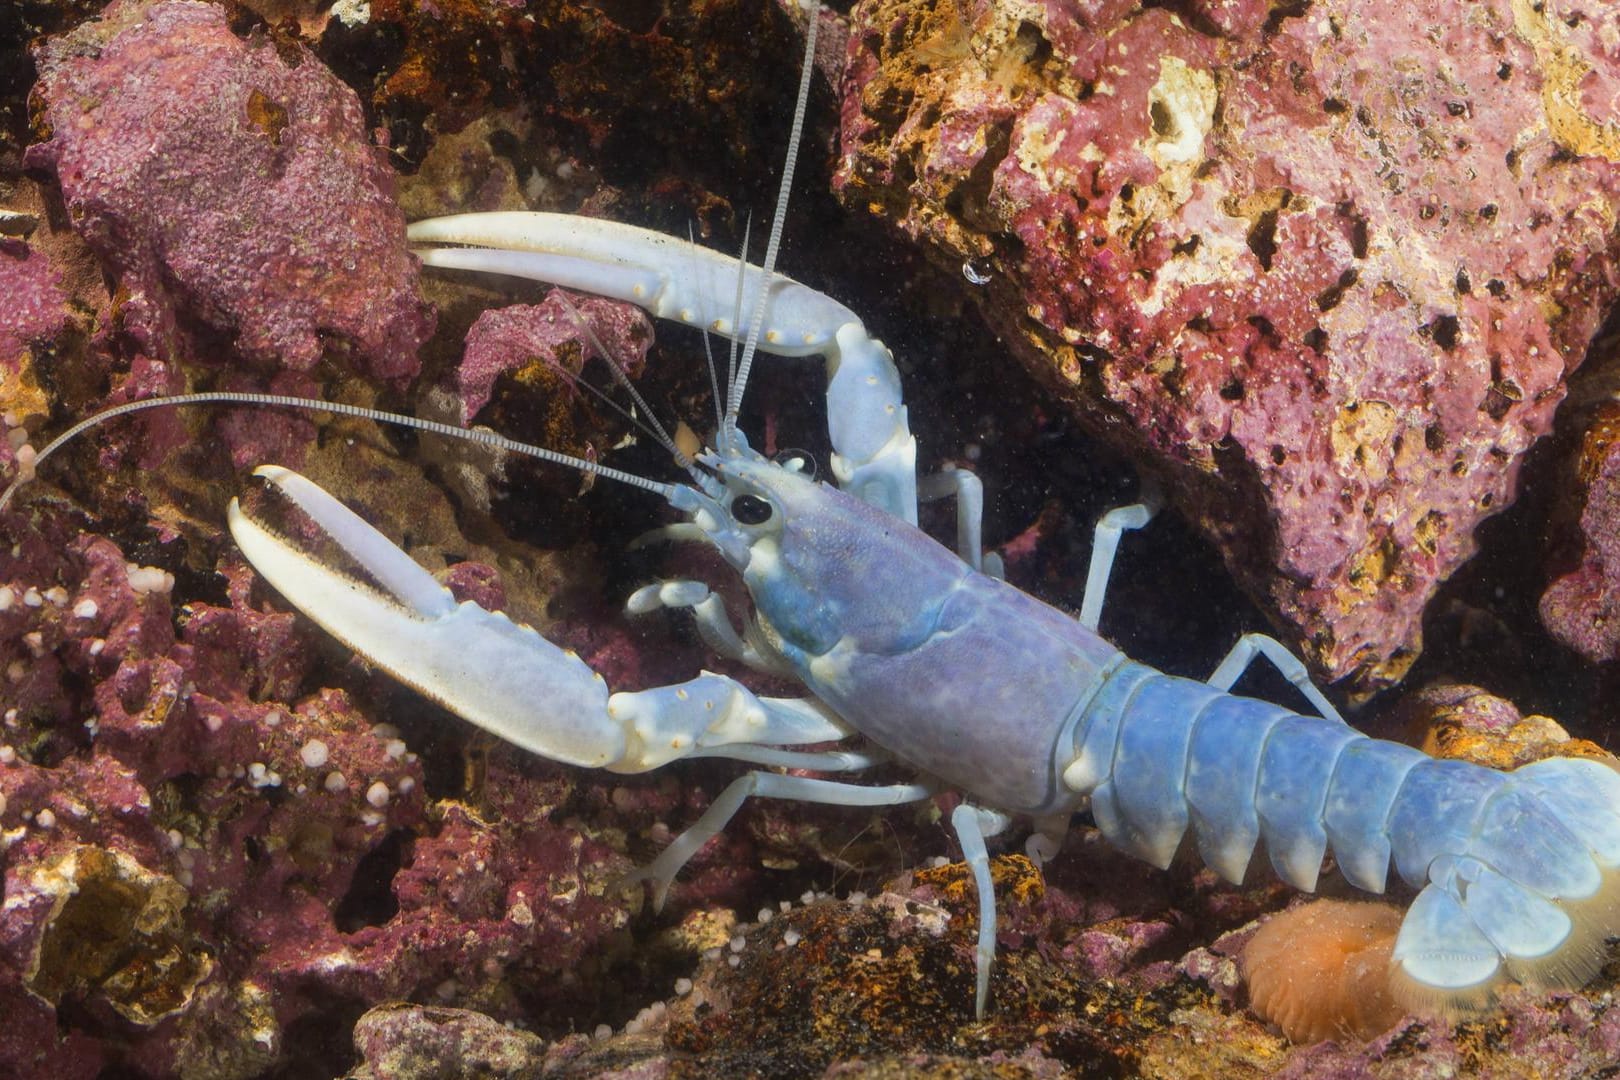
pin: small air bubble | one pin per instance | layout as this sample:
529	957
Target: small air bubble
977	271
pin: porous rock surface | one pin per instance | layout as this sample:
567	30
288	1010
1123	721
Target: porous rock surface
1581	606
229	182
1326	267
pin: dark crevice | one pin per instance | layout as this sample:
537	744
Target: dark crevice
1329	298
370	900
1290	9
1262	238
1444	331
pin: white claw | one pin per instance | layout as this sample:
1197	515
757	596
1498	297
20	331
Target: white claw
875	455
479	664
670	277
500	675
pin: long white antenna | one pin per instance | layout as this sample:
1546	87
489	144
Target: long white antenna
233	397
768	267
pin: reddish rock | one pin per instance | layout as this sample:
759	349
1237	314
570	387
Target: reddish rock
416	1042
557	336
229	184
34	314
1470	724
1581	607
1326	274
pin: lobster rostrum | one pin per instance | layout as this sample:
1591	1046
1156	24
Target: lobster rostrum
941	666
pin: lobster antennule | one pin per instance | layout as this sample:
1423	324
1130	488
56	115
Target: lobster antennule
756	326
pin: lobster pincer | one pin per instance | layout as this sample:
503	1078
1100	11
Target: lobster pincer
500	674
874	452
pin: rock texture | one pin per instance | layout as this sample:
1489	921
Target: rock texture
232	186
1326	268
1581	606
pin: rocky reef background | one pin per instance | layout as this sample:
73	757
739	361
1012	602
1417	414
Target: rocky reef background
1336	285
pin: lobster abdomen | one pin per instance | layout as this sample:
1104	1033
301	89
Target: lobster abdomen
1516	870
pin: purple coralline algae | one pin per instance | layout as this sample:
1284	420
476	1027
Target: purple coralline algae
169	812
1581	607
549	334
231	184
35	312
33	317
1327	274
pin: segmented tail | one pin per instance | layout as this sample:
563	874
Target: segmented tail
1517	871
1525	884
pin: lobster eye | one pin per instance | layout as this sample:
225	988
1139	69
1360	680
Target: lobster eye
751	510
798	461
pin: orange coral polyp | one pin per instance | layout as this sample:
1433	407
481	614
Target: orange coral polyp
1322	970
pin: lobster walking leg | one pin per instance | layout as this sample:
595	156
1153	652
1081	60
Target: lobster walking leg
1249	646
1104	546
966	487
662	870
1046	839
713	625
972	825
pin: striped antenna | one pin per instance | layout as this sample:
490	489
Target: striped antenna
233	397
767	268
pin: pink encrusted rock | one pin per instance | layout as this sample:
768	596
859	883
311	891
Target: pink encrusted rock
480	903
200	802
561	332
400	1041
1581	607
231	184
1326	273
34	313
